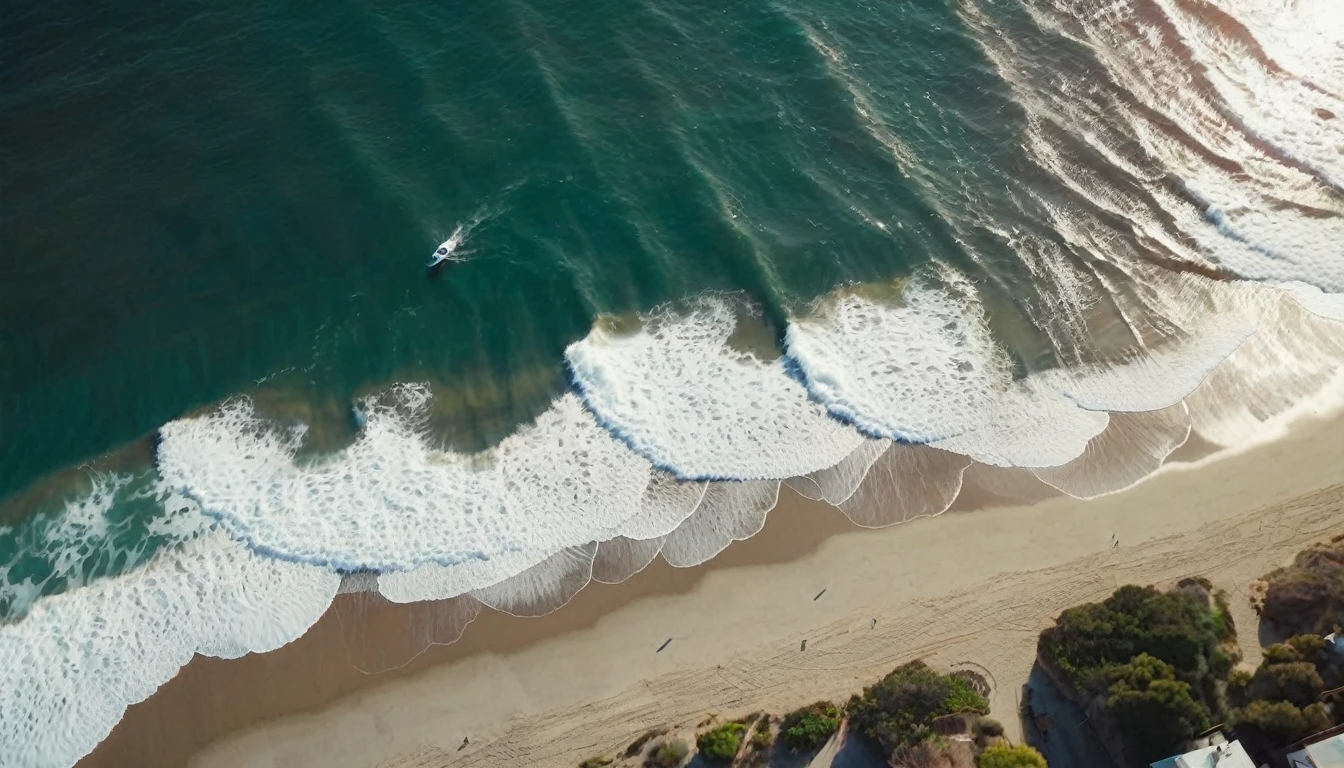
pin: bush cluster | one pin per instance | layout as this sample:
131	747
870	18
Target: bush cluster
1003	756
1156	660
808	728
1308	596
1282	700
721	744
986	728
668	754
900	709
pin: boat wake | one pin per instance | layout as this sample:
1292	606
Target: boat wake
451	250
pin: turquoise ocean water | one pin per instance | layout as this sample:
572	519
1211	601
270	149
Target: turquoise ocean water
701	242
199	201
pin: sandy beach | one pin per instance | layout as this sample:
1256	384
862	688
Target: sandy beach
974	586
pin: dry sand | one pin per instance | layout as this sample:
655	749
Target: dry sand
965	588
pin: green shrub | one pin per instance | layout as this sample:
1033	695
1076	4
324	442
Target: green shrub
1238	686
1282	721
1174	627
595	762
1308	596
899	710
668	754
1155	717
722	743
1002	756
1280	653
1157	660
808	728
1309	645
986	728
1297	682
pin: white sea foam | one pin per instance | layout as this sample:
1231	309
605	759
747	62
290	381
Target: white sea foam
440	582
85	538
911	371
1132	447
544	587
1316	301
667	502
919	371
1212	321
1030	425
835	484
728	512
1293	355
904	483
620	558
77	660
390	502
679	395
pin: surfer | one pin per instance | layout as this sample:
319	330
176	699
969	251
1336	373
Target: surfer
447	250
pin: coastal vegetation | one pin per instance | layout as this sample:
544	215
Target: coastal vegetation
914	717
1151	665
808	728
762	738
1153	669
1285	699
1004	756
637	746
722	743
986	729
1307	596
668	754
911	706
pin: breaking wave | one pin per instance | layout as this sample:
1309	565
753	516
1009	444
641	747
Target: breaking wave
1192	288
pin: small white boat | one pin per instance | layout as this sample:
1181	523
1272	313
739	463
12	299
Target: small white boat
447	250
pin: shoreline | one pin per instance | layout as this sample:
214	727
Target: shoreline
554	690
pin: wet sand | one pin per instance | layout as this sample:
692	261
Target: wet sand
972	587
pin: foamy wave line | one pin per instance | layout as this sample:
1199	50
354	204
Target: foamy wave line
77	660
523	527
624	458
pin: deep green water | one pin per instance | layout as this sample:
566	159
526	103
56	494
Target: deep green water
197	198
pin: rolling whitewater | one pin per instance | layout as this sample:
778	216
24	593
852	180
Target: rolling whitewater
682	253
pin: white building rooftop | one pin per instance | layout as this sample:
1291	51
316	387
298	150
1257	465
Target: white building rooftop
1228	755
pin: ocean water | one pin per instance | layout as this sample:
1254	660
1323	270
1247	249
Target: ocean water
705	250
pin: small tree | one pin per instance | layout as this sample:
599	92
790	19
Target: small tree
808	728
899	710
1297	681
1238	686
986	728
1309	645
722	743
1280	653
1002	756
1281	721
1153	710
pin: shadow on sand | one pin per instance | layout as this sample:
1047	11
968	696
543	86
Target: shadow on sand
1058	729
844	750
